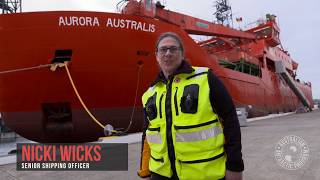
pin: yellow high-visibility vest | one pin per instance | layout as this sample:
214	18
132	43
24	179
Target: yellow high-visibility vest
196	132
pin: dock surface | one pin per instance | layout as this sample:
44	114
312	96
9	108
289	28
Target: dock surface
259	140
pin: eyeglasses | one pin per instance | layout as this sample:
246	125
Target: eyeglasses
163	50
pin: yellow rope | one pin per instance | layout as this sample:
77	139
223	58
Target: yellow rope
26	69
53	67
79	97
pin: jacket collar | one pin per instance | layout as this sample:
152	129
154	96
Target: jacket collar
184	68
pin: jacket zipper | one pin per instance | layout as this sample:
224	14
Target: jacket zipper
168	110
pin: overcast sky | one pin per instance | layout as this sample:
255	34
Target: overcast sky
299	22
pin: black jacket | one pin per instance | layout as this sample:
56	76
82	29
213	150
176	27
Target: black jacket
223	105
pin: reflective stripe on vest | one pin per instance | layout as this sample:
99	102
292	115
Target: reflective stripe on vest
199	135
200	70
154	138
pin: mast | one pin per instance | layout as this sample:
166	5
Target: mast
223	13
10	6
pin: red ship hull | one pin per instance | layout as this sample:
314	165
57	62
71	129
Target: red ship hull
105	66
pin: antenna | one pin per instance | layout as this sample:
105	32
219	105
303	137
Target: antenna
10	6
223	13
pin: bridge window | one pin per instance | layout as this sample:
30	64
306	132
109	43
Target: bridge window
265	32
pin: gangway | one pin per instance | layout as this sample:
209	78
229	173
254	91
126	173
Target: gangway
280	69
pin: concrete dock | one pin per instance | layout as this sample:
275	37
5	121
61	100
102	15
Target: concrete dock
259	140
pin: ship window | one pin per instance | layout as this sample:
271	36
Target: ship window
264	32
242	66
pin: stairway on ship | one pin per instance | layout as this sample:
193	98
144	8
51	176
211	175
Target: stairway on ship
281	70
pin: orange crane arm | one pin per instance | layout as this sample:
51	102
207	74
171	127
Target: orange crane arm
190	24
197	26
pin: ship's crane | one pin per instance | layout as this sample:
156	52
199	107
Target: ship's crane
190	24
